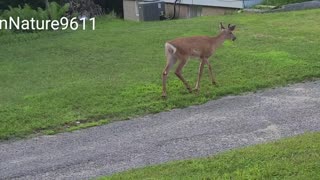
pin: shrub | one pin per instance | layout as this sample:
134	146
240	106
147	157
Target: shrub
53	12
4	4
24	13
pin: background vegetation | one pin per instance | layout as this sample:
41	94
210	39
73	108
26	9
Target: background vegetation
282	2
293	158
4	4
108	5
52	80
53	12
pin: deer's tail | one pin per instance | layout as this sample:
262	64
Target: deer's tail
170	49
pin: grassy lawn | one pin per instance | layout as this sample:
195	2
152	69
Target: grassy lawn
293	158
56	81
282	2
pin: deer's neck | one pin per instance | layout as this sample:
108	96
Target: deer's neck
218	40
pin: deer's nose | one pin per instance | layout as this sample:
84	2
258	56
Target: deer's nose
234	38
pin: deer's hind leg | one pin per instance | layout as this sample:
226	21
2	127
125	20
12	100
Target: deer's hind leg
179	73
202	62
171	60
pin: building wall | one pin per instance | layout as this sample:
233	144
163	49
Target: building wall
210	11
250	3
239	4
130	10
216	3
183	10
189	11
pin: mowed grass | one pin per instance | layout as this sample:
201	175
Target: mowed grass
293	158
56	81
282	2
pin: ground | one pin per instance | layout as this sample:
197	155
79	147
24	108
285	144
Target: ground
60	81
196	131
292	158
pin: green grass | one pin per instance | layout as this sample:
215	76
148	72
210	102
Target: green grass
293	158
282	2
51	80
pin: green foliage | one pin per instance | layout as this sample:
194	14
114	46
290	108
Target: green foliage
281	2
292	158
42	14
56	11
50	79
24	13
53	12
4	4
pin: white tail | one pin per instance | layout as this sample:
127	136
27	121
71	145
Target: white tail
202	47
170	48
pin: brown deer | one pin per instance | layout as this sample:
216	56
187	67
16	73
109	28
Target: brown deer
202	47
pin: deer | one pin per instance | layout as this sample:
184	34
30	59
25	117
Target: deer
201	47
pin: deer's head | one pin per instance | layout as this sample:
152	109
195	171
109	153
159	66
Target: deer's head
228	31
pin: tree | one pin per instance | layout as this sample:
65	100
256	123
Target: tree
46	2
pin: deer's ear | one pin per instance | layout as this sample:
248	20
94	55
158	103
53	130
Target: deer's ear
221	26
231	28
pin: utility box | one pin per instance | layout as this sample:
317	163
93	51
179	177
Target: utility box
143	10
150	10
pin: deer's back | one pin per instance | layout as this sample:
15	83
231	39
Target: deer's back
197	46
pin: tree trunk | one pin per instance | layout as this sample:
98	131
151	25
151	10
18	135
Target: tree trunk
46	3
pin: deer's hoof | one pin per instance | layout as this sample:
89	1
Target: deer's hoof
164	95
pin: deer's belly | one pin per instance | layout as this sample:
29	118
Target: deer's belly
196	53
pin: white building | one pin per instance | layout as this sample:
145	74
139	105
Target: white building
190	8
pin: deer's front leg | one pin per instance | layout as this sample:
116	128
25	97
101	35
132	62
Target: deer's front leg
212	77
178	73
199	75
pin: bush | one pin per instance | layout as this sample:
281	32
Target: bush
24	13
53	12
4	4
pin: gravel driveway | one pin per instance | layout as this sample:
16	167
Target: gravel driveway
197	131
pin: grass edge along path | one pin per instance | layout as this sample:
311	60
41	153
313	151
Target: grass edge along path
290	158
